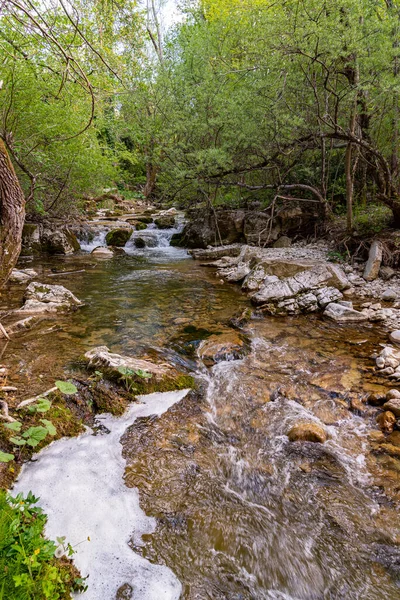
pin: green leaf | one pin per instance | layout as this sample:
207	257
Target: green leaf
143	374
49	426
66	387
18	441
42	405
126	371
35	435
5	458
14	426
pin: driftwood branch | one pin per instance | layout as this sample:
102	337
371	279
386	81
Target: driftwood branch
36	398
4	412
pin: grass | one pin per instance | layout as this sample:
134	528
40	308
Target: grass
29	569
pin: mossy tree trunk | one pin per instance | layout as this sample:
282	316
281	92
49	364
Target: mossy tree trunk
12	215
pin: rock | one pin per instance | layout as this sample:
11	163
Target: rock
380	362
23	325
326	295
386	421
376	436
307	432
393	395
102	252
43	298
387	371
60	241
118	237
31	239
282	242
227	346
394	438
376	399
307	302
386	273
139	242
291	286
373	265
342	314
166	222
345	303
393	362
101	357
236	273
140	226
22	276
393	405
256	278
211	229
395	336
389	296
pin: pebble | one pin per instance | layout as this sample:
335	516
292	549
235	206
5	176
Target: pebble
395	336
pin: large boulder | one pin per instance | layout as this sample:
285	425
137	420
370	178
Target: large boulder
102	252
206	228
118	237
50	238
45	298
373	265
58	241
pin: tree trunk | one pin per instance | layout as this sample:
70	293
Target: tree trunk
12	216
396	214
151	176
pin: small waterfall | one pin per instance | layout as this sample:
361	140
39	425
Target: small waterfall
94	239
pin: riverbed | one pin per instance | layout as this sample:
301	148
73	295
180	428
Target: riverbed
216	503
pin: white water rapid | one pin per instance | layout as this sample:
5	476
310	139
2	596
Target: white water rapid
81	488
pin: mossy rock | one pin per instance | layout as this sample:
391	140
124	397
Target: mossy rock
140	226
167	222
118	237
144	220
176	240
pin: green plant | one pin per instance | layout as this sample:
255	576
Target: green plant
29	567
128	377
33	435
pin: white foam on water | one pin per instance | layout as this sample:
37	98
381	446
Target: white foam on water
80	485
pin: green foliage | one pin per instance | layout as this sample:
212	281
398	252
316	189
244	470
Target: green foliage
128	377
66	387
29	569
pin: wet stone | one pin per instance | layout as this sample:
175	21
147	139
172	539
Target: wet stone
386	421
307	432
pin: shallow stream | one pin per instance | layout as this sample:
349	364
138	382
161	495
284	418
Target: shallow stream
229	508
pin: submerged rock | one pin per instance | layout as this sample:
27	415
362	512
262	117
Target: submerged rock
386	421
307	432
42	298
227	346
118	237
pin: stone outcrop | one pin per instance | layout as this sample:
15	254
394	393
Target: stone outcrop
45	298
253	227
49	238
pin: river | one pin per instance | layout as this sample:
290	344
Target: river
201	495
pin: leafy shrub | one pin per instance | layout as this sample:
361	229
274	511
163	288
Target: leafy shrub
29	569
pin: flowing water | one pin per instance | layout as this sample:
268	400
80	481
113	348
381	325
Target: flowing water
229	508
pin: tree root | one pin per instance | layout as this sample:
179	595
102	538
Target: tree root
4	412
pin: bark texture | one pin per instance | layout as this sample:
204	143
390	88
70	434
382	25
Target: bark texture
12	215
